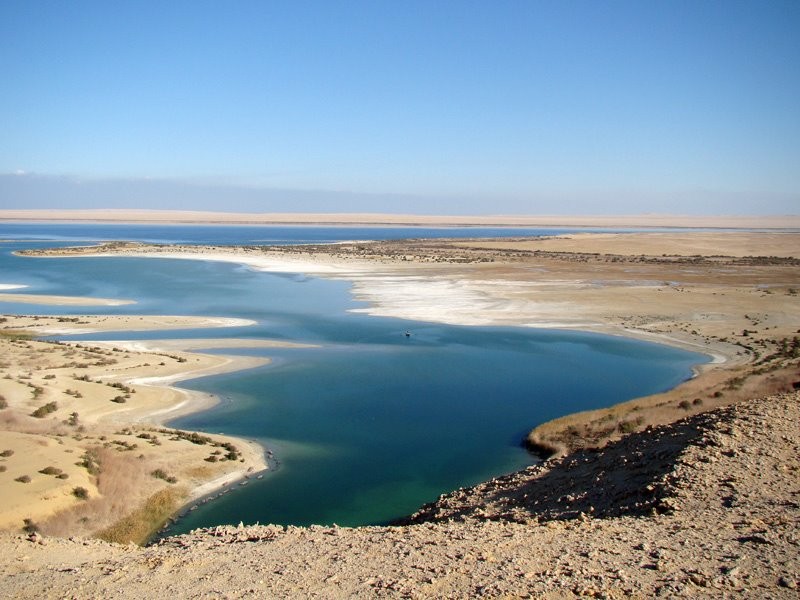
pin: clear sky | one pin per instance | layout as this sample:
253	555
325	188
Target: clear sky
523	107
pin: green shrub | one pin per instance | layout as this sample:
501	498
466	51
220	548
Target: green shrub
81	493
23	479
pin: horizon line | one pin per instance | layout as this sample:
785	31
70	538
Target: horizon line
173	216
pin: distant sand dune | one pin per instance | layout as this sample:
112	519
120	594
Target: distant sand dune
612	221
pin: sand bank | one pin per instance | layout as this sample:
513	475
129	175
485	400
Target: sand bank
275	264
83	324
62	300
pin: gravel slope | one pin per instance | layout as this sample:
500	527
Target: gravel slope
707	507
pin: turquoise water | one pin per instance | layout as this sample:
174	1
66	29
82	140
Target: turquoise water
368	431
372	423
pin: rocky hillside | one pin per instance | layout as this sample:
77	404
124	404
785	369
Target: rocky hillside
707	507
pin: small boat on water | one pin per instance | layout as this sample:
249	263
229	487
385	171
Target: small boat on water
408	333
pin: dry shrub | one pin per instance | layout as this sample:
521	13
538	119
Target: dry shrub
51	470
125	489
14	421
138	526
122	486
45	409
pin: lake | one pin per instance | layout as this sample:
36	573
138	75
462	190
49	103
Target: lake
370	424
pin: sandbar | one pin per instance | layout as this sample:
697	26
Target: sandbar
62	300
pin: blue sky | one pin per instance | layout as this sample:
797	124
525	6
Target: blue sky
452	107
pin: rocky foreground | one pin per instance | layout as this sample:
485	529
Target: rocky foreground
709	506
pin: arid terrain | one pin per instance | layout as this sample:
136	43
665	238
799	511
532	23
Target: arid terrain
693	492
82	447
707	507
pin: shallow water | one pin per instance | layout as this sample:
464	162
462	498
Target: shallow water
372	423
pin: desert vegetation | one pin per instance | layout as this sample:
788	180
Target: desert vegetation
56	397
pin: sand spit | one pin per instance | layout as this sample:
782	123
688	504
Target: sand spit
707	507
62	300
82	324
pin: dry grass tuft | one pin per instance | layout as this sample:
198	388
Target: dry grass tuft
125	489
596	428
138	526
120	482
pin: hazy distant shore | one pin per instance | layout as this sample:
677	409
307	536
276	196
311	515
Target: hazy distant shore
229	218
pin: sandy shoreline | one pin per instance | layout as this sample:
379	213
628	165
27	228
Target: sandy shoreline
78	379
61	300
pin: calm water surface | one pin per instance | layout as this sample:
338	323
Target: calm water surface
370	424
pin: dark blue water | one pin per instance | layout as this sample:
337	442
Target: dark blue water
368	431
372	423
